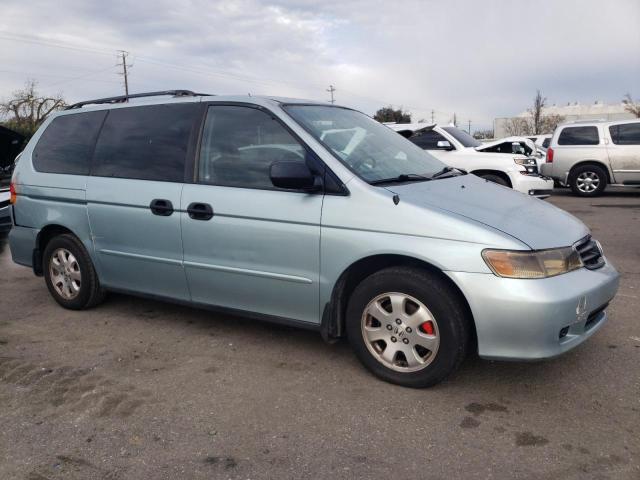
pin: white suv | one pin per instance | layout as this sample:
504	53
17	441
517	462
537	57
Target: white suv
458	149
587	156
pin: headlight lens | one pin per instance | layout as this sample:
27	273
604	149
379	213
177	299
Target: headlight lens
534	264
524	161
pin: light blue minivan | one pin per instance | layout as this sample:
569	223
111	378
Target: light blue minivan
308	214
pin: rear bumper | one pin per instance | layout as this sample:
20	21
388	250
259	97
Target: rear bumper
537	319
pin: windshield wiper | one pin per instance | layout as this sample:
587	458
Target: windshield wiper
444	173
404	177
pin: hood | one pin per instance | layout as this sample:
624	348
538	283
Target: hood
534	222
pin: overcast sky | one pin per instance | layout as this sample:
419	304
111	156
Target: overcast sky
480	59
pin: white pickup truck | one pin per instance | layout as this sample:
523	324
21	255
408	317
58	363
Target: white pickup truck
458	149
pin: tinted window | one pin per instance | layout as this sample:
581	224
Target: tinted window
579	136
546	142
239	144
626	134
428	140
67	143
147	143
463	137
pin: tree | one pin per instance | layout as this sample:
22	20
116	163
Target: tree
483	134
630	106
27	109
389	114
549	123
517	127
536	112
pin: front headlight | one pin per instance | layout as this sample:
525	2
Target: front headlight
524	161
534	264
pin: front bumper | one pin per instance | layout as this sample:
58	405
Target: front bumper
534	185
537	319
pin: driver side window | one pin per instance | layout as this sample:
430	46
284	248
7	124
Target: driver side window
239	144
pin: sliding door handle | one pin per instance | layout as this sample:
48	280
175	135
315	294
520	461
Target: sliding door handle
162	207
200	211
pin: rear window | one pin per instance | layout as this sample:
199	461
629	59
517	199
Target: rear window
579	136
626	134
145	143
67	144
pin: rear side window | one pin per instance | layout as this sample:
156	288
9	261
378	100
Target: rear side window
428	140
546	142
67	143
579	136
145	143
626	134
239	144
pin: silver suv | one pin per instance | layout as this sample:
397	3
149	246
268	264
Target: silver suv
587	156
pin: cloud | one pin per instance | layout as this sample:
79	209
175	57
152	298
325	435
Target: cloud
478	59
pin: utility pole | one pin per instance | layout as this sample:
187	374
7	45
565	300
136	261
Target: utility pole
123	55
432	112
469	132
331	89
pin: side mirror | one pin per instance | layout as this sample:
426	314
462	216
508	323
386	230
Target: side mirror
444	145
293	176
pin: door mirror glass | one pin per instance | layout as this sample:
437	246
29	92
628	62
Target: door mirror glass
444	145
293	176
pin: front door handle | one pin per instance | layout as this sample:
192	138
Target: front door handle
200	211
162	207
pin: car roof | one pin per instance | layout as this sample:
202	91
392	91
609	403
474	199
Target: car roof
184	96
599	121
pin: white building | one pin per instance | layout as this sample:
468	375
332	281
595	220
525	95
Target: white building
570	112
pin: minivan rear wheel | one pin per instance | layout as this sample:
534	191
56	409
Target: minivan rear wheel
70	275
407	326
588	180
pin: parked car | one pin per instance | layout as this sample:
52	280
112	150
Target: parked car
588	156
5	214
372	238
457	148
10	145
517	145
541	140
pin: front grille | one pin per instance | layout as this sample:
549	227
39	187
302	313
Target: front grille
590	253
4	204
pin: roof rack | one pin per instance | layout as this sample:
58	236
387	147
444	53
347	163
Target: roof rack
125	98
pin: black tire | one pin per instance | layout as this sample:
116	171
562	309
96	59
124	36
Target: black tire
591	171
440	299
89	293
495	179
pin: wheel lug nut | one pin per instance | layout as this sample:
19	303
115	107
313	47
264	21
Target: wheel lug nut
394	339
408	329
405	340
389	327
398	321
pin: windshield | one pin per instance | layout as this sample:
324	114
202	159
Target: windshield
463	137
371	150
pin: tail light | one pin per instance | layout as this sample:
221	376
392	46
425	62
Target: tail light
12	193
549	155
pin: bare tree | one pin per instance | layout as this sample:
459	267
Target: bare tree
633	107
550	122
27	108
517	126
536	112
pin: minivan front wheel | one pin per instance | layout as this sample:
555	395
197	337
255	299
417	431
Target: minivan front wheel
70	275
407	326
588	180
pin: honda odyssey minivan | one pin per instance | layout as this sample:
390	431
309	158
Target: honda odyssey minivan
246	204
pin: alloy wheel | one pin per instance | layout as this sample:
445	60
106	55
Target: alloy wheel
588	182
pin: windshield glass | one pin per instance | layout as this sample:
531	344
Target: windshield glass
371	150
463	137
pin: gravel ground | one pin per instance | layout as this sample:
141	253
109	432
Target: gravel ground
140	389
